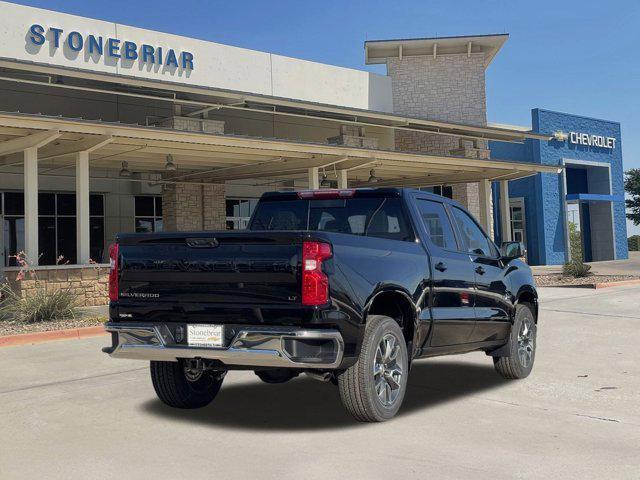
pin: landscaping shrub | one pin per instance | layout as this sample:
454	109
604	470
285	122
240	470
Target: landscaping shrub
575	242
634	243
576	269
38	306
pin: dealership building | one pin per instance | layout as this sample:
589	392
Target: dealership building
108	128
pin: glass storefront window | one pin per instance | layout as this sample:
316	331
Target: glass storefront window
148	213
442	190
56	227
239	212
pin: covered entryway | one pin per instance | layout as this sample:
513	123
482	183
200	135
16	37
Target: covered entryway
589	211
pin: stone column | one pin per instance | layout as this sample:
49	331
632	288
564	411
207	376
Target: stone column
213	207
190	207
182	207
449	88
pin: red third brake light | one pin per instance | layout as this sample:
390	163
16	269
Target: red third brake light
327	193
113	271
315	283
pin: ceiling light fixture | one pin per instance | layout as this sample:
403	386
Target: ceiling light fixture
325	182
124	171
169	165
372	177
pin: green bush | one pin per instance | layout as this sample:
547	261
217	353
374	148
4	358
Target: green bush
575	242
38	306
634	243
576	269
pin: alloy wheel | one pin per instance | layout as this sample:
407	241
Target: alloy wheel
387	369
526	339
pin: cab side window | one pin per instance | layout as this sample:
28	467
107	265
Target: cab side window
436	223
473	239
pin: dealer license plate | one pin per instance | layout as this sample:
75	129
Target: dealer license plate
204	335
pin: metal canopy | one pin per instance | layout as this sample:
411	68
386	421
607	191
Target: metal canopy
200	99
378	51
213	158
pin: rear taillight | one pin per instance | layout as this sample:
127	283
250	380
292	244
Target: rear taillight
113	272
315	283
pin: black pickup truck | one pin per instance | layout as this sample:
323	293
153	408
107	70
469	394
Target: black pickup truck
347	286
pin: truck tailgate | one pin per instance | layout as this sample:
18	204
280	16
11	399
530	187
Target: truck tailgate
240	268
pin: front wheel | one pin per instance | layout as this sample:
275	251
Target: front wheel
519	362
373	388
180	386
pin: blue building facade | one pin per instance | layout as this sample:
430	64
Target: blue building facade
588	193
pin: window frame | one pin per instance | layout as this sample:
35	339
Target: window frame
496	251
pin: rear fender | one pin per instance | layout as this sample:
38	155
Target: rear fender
379	303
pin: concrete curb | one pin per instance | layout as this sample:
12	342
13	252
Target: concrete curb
615	284
597	285
52	335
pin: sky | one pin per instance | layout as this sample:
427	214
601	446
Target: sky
572	56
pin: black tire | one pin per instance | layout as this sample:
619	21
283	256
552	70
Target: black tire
523	342
173	388
359	387
276	375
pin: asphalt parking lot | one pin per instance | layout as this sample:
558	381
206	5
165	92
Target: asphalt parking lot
68	411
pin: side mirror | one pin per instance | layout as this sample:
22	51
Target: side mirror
511	250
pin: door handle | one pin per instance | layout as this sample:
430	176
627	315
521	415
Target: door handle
441	267
480	270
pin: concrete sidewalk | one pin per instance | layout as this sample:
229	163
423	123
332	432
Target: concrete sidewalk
631	266
70	412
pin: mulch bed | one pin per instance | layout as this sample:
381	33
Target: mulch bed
558	280
14	328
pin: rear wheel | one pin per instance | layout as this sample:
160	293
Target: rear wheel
179	385
372	389
519	362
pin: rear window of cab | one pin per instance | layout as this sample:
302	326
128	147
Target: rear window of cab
367	216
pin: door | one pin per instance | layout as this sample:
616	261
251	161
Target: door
492	300
452	295
518	223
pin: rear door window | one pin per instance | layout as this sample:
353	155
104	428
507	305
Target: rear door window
436	223
473	238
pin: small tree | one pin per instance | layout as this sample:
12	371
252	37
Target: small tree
634	243
632	187
575	243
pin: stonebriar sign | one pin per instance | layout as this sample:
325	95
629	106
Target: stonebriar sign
115	48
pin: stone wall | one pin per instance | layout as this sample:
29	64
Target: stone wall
188	207
89	284
449	88
214	208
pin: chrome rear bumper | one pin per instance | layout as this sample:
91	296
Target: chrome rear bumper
275	347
